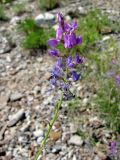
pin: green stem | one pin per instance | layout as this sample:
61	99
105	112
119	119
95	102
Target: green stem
40	150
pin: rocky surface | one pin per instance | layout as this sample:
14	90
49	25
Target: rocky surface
26	104
45	18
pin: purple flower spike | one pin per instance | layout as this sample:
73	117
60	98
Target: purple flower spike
78	59
118	79
75	76
59	63
79	40
65	69
54	52
69	62
70	40
53	42
59	33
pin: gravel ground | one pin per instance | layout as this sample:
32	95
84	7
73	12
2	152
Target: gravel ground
26	104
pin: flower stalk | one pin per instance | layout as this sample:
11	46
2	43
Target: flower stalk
41	148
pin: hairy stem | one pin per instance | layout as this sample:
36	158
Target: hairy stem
40	150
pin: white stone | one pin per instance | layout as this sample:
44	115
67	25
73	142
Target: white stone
67	18
76	140
105	38
74	158
55	27
45	18
16	96
13	119
40	18
15	20
8	59
93	119
85	102
82	10
49	17
38	133
39	140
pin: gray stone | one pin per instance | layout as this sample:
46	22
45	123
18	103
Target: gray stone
12	144
4	45
45	18
73	128
56	149
76	140
15	152
70	153
23	139
16	117
3	29
37	89
30	99
2	88
26	126
2	132
16	96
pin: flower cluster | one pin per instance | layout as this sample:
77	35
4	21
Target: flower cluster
65	69
113	148
118	79
67	31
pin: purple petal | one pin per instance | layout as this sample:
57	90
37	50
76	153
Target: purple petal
56	72
65	86
70	40
66	41
74	25
69	62
75	76
60	17
53	42
53	81
67	27
59	63
79	40
53	52
59	33
78	59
